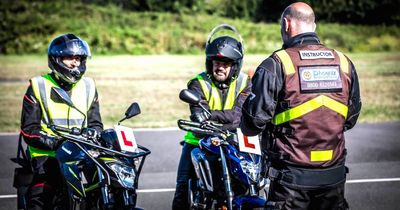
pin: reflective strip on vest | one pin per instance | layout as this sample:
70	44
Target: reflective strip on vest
59	113
344	63
34	152
309	106
286	61
322	155
214	99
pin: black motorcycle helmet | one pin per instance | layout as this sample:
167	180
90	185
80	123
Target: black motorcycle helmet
225	48
63	46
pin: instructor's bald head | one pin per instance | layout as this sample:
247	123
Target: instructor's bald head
296	19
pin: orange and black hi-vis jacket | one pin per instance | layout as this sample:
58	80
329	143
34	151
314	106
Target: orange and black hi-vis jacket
311	113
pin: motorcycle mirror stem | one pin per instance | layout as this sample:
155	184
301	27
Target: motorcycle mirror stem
191	97
133	110
60	96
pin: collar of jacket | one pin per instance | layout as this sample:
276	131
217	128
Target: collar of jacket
304	38
65	86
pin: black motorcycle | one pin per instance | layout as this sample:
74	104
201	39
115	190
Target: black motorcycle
97	173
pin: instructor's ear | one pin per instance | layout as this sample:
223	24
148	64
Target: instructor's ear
286	24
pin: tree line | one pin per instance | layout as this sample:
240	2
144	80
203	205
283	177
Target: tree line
180	27
366	12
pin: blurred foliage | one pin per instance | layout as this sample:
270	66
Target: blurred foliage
365	12
127	26
341	11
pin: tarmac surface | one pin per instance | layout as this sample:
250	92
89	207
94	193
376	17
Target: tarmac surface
373	158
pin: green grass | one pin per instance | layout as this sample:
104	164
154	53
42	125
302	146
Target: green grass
155	81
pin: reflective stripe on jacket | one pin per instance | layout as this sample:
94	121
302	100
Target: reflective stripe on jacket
313	106
213	97
82	95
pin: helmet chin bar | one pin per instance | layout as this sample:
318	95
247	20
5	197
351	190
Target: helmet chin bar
227	27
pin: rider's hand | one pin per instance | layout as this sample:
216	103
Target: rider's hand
58	140
200	116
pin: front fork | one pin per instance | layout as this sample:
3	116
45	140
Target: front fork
108	198
227	179
129	199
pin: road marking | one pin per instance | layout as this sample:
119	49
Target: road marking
173	189
8	196
372	180
156	190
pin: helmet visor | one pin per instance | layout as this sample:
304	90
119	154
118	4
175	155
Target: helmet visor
70	48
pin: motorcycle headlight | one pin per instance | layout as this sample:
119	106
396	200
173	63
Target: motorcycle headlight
125	174
251	169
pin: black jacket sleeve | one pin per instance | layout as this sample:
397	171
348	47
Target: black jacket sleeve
31	126
229	118
259	107
30	123
354	103
94	117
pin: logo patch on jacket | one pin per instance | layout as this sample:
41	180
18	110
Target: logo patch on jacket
316	54
315	79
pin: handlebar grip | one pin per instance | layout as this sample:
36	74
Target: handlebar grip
190	123
60	128
195	127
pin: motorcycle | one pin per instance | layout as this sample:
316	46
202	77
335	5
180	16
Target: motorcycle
98	173
219	158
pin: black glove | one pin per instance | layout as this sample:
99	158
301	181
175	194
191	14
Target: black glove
57	141
200	116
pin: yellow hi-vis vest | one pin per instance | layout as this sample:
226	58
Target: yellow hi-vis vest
213	97
82	95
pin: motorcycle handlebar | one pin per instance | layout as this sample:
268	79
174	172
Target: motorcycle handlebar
207	128
60	128
74	135
74	130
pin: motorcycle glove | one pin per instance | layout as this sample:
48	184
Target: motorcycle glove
200	116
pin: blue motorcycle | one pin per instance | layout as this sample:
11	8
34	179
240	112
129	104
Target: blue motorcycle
217	160
96	173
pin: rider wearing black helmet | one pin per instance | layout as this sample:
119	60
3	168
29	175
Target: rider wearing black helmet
225	49
223	88
68	45
67	56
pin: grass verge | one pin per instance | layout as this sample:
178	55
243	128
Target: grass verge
155	81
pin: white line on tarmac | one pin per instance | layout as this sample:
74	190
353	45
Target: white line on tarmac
372	180
173	189
8	196
156	190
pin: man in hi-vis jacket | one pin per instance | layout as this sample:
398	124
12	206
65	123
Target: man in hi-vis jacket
304	96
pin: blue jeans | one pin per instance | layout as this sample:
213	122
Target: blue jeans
185	172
